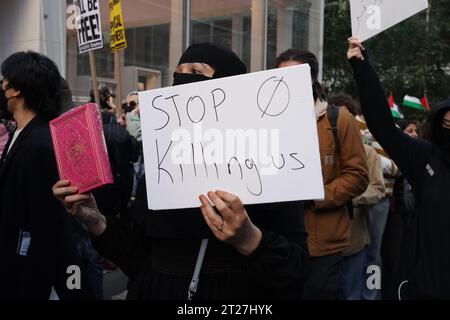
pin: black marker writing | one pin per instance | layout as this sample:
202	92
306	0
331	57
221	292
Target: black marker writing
182	173
193	159
216	105
250	164
160	162
167	115
302	166
204	160
188	104
175	106
240	167
264	107
217	170
282	166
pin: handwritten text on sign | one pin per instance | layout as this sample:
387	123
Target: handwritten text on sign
89	27
370	17
253	135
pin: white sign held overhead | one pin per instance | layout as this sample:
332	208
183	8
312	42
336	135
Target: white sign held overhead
89	27
371	17
253	135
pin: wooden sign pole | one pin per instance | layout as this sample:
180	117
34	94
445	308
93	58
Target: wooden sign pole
94	79
117	76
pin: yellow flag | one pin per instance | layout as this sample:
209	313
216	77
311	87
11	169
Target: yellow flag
117	39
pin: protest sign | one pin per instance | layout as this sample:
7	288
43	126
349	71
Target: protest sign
371	17
117	41
252	135
89	27
117	38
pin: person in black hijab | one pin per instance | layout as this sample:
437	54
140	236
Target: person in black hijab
253	252
207	61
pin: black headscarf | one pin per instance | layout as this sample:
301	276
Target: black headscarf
437	134
224	61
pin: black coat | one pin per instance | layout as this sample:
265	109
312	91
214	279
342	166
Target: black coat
122	148
159	254
27	205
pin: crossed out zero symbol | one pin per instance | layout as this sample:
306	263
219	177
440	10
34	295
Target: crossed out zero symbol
265	108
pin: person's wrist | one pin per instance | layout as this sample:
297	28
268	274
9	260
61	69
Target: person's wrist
249	245
96	224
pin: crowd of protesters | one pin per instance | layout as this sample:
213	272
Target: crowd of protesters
379	233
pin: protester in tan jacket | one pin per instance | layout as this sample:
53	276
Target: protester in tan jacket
345	177
360	237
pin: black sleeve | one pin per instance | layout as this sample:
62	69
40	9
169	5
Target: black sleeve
281	263
409	154
123	245
46	222
51	250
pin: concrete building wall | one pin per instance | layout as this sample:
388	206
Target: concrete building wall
38	25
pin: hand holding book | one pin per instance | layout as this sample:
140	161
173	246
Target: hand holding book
80	206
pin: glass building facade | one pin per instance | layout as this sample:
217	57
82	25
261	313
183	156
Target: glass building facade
157	32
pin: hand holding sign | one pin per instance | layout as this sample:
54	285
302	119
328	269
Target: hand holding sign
355	49
233	225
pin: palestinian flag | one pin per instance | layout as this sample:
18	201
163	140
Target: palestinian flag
415	103
425	104
394	108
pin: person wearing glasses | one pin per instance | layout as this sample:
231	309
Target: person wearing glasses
133	125
132	115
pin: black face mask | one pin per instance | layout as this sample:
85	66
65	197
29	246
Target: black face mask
185	78
445	133
4	113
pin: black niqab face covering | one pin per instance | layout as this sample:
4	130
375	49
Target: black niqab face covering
3	102
185	78
224	61
4	113
445	132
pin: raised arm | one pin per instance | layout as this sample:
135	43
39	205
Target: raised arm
407	153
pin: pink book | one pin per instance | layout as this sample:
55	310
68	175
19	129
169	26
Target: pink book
80	148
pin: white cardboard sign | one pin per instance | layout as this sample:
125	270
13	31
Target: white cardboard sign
253	135
89	27
371	17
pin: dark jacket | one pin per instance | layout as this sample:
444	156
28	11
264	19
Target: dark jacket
27	206
159	253
426	260
122	152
